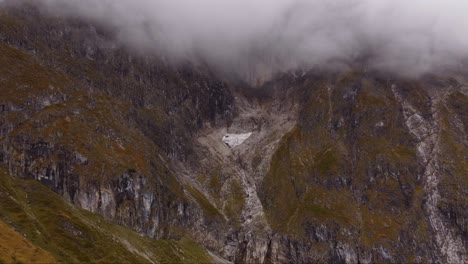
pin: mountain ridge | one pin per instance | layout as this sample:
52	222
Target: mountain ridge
335	170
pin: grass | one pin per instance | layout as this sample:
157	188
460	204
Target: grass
22	75
56	230
183	251
208	208
235	202
14	248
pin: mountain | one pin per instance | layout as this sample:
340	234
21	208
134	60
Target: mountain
108	155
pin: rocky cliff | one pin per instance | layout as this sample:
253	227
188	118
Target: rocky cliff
347	167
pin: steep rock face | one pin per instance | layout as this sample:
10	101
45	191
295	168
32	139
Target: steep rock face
345	168
81	147
102	131
428	133
187	94
357	180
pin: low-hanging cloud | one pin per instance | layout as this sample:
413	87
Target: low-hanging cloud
258	37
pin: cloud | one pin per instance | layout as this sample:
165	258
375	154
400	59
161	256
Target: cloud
255	38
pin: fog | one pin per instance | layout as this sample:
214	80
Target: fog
255	38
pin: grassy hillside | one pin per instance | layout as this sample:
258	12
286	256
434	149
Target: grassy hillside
16	248
37	225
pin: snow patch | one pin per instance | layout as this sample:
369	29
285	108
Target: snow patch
234	140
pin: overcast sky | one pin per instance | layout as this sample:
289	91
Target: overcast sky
408	36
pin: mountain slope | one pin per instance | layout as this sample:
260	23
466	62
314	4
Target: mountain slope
356	174
15	248
48	229
347	167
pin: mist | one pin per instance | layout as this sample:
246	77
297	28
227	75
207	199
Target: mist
257	38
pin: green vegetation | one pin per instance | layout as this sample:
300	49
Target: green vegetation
210	210
55	228
453	159
183	251
235	202
23	76
14	248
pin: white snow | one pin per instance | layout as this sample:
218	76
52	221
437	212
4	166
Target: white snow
234	140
